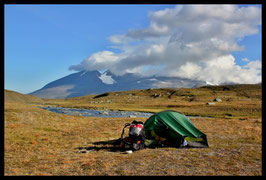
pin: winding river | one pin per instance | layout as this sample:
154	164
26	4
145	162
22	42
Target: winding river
97	113
103	113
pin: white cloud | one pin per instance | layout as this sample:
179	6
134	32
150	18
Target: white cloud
118	39
97	61
188	70
223	70
193	41
256	65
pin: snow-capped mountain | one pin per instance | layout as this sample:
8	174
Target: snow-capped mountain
93	82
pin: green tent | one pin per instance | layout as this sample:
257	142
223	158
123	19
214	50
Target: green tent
175	129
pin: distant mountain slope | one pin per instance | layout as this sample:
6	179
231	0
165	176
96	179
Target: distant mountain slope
93	82
12	96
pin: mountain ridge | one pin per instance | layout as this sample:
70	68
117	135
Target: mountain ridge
93	82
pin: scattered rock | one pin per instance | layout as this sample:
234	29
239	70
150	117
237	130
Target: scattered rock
104	113
217	100
228	114
210	103
82	151
85	150
122	113
156	95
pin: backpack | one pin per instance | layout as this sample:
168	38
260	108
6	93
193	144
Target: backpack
136	138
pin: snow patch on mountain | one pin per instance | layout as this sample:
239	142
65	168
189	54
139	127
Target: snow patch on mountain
106	79
83	73
164	84
153	79
211	84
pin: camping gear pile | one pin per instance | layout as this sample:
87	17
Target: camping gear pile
163	129
136	138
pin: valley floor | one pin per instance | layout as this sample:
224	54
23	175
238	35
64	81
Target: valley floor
39	142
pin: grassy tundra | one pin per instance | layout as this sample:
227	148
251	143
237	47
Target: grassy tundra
39	142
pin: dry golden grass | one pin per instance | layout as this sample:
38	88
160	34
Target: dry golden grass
12	96
39	142
238	101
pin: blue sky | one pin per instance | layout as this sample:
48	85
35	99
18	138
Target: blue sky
43	41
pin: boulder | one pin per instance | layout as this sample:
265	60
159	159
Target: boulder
210	103
217	100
